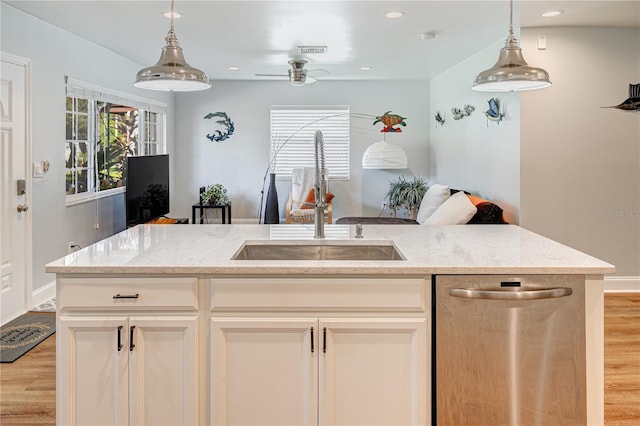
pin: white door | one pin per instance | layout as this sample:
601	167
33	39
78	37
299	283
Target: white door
92	379
14	217
163	365
264	371
373	372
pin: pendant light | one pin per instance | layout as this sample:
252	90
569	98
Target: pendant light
384	155
172	73
511	73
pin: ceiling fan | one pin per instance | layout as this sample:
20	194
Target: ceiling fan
298	75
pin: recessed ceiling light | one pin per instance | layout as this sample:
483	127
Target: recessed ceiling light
365	68
176	15
232	68
394	14
551	13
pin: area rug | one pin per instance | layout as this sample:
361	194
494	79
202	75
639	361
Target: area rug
22	334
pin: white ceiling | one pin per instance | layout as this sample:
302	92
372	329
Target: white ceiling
261	36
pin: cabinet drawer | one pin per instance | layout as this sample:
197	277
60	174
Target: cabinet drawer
120	293
319	294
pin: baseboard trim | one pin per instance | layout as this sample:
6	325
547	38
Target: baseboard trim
44	293
622	284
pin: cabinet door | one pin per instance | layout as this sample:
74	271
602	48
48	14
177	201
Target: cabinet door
264	371
92	371
163	362
373	372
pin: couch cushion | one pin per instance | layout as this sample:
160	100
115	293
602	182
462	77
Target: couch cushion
457	210
433	198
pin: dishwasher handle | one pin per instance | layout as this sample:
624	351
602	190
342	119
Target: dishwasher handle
547	293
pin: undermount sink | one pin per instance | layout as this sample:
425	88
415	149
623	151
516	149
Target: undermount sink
317	250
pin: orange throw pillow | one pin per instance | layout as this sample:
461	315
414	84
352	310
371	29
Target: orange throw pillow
476	200
309	203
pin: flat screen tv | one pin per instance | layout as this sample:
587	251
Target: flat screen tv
147	181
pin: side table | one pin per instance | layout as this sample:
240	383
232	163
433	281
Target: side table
226	211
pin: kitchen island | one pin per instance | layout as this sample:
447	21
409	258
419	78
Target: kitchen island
158	325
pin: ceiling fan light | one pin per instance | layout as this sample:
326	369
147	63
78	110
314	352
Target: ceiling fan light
511	73
171	72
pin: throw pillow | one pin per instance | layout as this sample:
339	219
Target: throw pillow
488	212
433	198
457	210
310	201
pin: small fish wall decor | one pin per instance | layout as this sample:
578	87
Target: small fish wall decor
229	127
389	121
462	113
439	119
494	113
632	103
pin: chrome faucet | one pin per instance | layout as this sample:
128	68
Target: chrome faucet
320	187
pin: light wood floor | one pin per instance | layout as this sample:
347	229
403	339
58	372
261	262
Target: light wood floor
27	386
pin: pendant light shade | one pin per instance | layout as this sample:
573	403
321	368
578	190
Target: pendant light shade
172	73
511	73
384	155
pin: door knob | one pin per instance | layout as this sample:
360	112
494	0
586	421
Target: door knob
22	208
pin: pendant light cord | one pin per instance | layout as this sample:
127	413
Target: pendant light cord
171	38
511	39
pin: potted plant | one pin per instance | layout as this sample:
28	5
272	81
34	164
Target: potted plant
215	194
405	194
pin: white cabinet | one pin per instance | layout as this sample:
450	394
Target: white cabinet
304	368
373	371
263	372
121	368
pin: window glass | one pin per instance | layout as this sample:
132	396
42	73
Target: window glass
100	134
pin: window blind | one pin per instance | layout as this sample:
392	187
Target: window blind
292	138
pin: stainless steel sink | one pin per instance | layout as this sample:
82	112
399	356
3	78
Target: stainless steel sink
317	250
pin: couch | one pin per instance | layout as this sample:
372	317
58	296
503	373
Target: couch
442	205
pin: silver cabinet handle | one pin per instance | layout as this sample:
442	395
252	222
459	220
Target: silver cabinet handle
547	293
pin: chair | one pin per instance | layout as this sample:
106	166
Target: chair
297	211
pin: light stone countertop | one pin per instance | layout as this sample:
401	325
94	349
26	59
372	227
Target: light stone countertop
208	249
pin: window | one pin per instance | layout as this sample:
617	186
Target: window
102	129
292	138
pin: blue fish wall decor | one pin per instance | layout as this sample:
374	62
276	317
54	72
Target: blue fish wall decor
219	136
494	113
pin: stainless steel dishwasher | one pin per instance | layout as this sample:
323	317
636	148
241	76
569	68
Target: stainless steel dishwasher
509	350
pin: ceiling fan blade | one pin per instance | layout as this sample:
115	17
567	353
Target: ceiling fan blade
309	80
318	69
271	75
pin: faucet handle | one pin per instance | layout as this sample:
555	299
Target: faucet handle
359	231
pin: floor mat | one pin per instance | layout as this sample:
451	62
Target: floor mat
22	334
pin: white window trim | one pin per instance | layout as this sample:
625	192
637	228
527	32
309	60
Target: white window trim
83	89
299	136
85	197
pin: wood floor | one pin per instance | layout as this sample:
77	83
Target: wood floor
27	386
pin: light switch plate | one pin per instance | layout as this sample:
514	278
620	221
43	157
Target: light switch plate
542	42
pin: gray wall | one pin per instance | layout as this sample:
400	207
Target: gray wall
240	162
580	163
473	153
55	53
